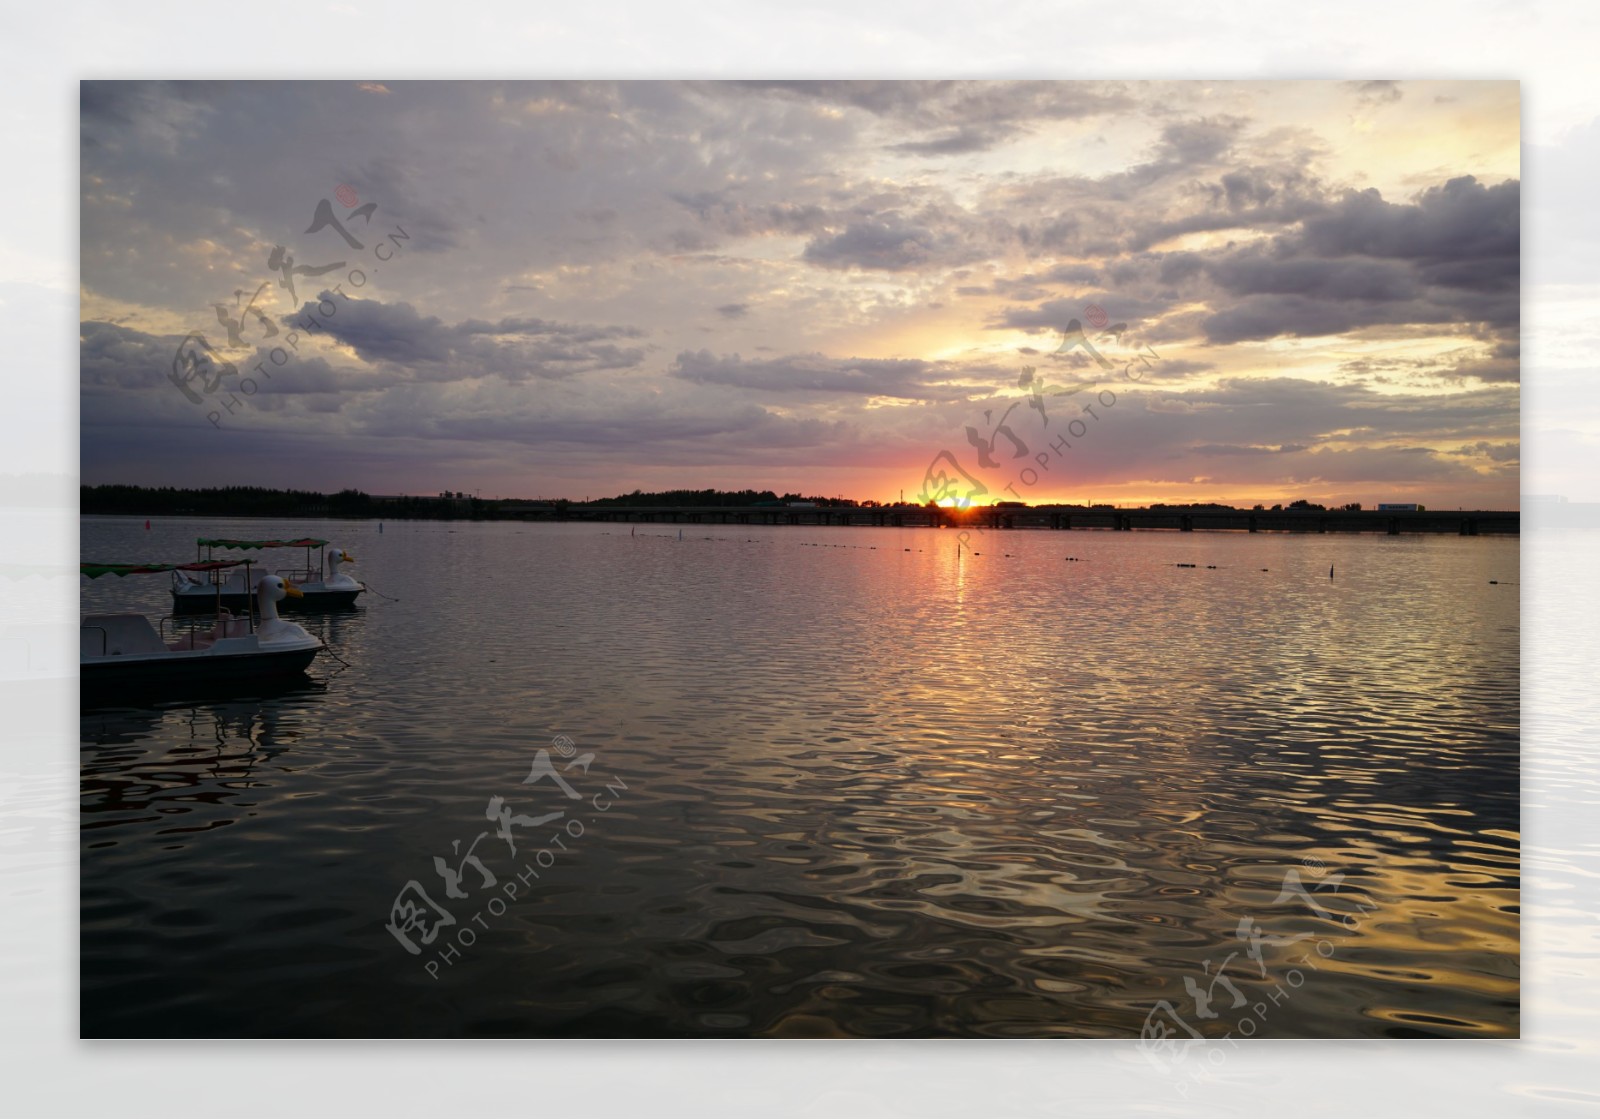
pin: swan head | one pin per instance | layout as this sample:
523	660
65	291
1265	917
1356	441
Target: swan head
274	589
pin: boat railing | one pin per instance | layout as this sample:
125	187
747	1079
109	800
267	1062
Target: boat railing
299	575
193	624
103	636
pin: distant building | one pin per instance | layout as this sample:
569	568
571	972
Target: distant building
1399	507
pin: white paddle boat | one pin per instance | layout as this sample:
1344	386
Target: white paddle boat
122	653
322	587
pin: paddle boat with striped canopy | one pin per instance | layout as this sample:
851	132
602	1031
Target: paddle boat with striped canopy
122	654
322	585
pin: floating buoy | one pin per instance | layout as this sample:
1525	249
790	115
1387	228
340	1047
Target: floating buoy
1330	571
147	524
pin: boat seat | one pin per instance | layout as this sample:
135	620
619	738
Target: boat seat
230	627
123	633
191	641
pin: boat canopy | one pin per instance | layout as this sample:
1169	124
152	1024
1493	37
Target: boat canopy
95	571
228	542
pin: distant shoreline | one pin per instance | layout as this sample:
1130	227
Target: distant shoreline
989	519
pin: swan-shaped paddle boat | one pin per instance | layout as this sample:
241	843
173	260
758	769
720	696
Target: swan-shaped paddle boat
122	652
322	585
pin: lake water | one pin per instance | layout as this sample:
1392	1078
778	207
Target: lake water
842	782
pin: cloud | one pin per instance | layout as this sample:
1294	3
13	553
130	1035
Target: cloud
808	374
1461	220
1325	439
1450	257
958	117
111	356
893	244
515	348
721	211
1375	92
589	261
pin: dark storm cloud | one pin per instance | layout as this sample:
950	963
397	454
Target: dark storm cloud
114	359
514	348
1461	220
117	357
1255	271
1453	256
309	401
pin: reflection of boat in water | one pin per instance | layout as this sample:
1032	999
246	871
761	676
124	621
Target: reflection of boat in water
322	587
121	703
124	653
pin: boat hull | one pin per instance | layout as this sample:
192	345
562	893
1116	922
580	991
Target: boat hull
138	677
239	602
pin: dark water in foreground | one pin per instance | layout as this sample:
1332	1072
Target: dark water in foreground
857	788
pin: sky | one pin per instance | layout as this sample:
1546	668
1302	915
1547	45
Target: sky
1040	291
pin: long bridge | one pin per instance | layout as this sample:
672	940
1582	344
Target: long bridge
1467	523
